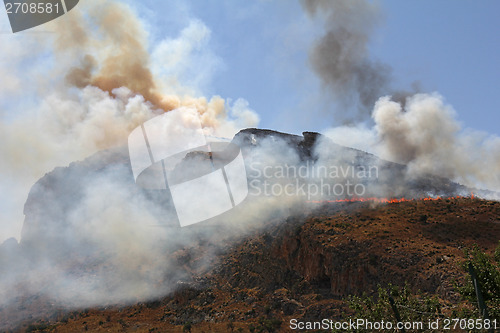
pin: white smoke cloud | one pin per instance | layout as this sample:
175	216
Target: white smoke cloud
423	133
48	122
187	58
426	136
86	85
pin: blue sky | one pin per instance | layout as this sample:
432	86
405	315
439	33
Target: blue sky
447	46
451	47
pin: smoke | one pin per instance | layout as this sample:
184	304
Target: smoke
341	57
78	89
120	49
425	135
86	85
412	128
91	237
105	248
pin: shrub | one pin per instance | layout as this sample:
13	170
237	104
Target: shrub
487	269
410	307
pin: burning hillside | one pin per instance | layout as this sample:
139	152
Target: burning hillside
388	200
82	264
150	203
302	267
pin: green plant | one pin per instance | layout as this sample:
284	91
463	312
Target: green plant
411	307
407	306
487	270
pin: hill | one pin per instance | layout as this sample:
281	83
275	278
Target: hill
305	268
88	261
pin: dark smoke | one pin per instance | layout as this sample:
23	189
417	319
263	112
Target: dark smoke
341	57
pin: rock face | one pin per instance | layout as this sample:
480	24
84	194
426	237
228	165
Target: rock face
305	267
351	248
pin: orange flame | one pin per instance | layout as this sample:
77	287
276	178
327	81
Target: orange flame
387	200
